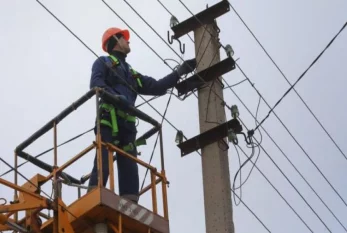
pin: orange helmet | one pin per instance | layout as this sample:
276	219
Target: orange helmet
112	31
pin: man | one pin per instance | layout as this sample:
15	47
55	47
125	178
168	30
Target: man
117	77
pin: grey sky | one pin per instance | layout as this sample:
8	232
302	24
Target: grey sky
44	69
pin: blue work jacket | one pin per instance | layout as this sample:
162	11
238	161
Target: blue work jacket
113	81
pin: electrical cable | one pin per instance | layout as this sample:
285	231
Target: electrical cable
284	76
156	141
233	190
222	45
287	179
49	198
173	16
302	75
250	172
278	192
99	57
202	24
236	63
46	151
147	101
294	84
287	93
287	158
251	211
209	94
302	197
233	85
154	32
321	220
307	155
256	117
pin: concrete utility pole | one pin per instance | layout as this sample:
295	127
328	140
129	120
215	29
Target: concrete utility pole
215	165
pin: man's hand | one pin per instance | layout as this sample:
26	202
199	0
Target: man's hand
186	67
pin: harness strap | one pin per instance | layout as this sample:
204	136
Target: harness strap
131	146
113	124
134	73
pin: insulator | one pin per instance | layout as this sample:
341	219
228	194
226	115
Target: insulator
229	50
234	112
179	137
173	21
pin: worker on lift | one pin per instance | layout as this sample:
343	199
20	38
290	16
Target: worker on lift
117	77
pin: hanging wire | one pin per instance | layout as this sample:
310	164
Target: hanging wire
256	117
296	141
284	76
289	181
286	94
174	16
198	76
48	197
286	157
156	141
254	145
241	201
112	70
301	76
233	189
46	151
233	85
278	192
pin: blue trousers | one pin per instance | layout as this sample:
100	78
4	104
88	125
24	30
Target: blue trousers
128	175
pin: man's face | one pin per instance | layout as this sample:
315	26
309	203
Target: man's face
123	45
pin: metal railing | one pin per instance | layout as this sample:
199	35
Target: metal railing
57	172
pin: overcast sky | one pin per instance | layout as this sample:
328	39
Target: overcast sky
44	69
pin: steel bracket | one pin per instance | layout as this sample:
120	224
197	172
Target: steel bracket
209	74
210	136
204	17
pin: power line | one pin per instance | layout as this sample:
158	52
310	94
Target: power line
48	196
197	75
173	16
98	57
284	76
250	210
46	151
196	18
302	75
284	154
276	115
233	85
167	105
302	197
239	197
296	141
258	125
143	39
157	35
284	199
156	141
147	101
250	172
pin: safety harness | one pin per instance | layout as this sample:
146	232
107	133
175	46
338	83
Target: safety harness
114	113
115	62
